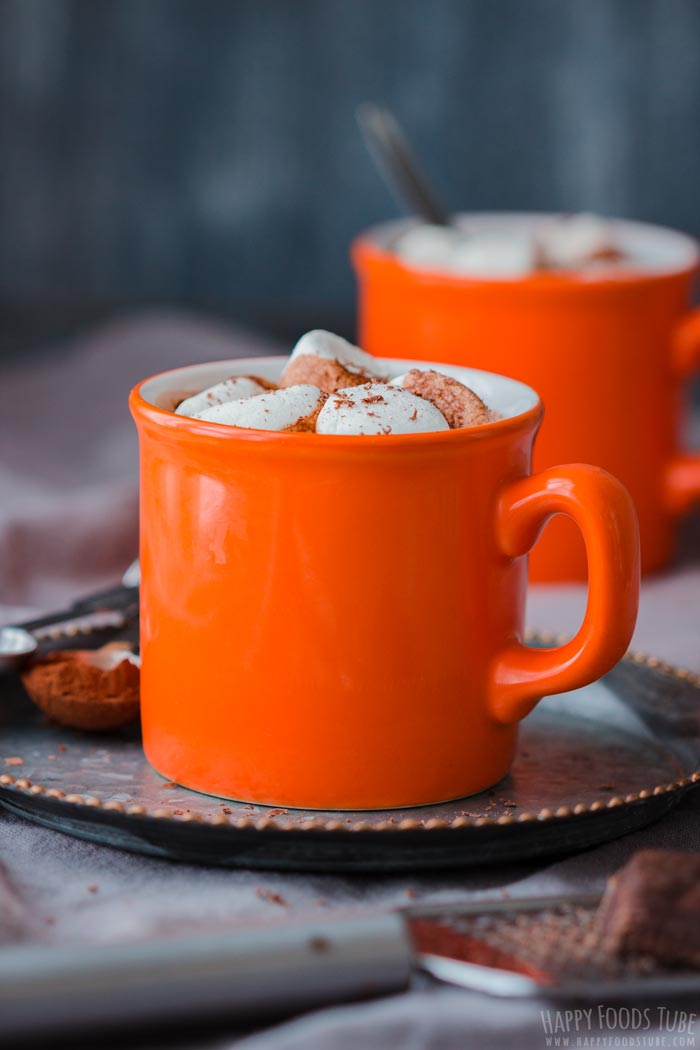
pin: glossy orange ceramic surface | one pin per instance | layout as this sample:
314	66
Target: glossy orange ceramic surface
336	622
608	357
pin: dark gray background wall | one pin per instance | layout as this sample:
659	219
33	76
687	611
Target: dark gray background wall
205	151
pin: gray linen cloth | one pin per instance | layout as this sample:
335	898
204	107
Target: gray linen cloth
68	525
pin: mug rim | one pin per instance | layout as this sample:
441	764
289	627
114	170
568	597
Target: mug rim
168	420
367	250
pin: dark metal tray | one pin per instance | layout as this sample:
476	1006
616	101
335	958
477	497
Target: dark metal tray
592	765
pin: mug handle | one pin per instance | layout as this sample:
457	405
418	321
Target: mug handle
603	510
683	472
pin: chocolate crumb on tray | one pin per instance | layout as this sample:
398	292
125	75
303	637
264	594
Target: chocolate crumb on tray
652	907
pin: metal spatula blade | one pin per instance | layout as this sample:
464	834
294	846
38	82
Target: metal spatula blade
504	948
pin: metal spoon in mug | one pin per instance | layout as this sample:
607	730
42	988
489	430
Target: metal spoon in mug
389	149
17	644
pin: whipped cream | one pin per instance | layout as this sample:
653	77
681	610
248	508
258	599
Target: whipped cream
294	408
377	408
232	389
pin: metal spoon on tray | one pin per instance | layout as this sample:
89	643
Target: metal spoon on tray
17	644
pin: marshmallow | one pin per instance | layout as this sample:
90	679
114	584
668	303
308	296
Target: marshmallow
328	362
564	242
428	247
377	408
494	255
233	389
452	250
572	241
295	408
460	406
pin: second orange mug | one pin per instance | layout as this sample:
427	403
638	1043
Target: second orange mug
336	622
607	351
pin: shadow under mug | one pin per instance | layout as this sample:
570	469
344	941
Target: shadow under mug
335	622
608	352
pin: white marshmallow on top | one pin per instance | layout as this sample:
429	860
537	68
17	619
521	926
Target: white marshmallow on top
569	242
458	403
377	408
319	343
327	361
565	242
449	249
494	255
428	247
294	408
233	389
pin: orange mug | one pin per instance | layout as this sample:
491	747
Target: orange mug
335	622
607	351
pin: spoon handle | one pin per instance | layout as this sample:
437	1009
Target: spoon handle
392	155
